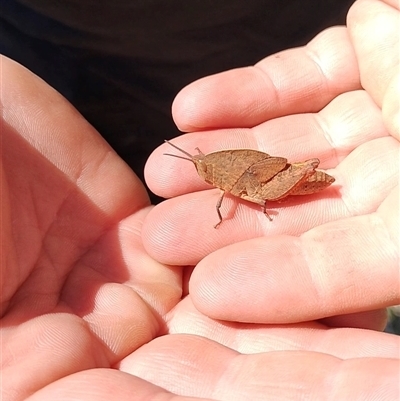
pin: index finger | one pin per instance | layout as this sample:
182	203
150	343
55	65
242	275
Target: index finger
299	80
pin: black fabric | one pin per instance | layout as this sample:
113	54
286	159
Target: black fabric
122	62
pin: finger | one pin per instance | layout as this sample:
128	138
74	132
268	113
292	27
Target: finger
116	284
348	121
227	375
390	107
374	31
46	349
371	319
342	267
307	336
376	43
104	385
293	81
180	231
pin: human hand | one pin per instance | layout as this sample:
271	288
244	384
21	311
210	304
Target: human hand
78	291
80	295
83	304
324	255
332	258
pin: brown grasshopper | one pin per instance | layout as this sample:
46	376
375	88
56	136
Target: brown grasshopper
256	176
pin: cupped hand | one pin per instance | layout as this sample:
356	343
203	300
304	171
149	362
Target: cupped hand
87	314
332	253
78	291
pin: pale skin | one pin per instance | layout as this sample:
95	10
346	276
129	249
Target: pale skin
92	280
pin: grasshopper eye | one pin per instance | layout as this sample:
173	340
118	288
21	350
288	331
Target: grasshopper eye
202	166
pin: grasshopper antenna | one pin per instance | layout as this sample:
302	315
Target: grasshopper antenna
181	150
